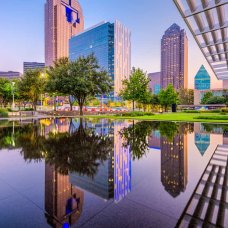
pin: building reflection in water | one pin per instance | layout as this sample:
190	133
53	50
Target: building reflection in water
154	140
113	178
202	142
58	193
174	164
122	166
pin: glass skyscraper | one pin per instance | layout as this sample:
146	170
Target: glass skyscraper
202	79
174	58
111	45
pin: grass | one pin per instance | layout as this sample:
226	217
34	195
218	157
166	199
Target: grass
178	117
3	113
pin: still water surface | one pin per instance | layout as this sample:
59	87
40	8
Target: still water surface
121	173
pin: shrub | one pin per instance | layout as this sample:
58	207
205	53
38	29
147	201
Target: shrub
3	113
191	111
210	111
136	113
224	110
28	109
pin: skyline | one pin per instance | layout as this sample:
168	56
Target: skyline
28	44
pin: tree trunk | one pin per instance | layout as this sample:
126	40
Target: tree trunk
54	103
71	106
81	112
133	105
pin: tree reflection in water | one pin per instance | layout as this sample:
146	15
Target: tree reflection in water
81	151
136	135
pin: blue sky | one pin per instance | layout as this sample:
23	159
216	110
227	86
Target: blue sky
22	30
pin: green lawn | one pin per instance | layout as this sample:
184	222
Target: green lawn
185	117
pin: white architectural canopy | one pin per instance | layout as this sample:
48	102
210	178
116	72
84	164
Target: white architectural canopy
208	22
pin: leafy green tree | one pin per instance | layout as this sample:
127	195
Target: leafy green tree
5	91
206	97
168	96
216	100
82	79
135	88
32	86
55	74
186	96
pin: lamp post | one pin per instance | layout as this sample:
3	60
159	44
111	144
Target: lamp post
13	105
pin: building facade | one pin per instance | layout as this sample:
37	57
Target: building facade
111	45
63	19
174	58
10	75
202	79
32	66
155	82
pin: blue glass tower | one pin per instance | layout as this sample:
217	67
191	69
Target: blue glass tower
111	45
99	41
202	79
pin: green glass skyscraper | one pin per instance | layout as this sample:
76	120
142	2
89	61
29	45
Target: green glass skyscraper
202	79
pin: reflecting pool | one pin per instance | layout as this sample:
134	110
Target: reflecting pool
102	173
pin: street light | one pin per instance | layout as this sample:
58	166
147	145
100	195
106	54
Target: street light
13	105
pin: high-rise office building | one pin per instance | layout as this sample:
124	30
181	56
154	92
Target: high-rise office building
155	82
174	58
202	79
10	74
32	66
63	19
111	45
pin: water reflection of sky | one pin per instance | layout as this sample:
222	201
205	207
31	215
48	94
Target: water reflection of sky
124	191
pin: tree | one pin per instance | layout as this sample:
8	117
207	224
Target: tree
168	96
136	87
55	74
206	97
186	96
216	100
5	91
83	79
32	86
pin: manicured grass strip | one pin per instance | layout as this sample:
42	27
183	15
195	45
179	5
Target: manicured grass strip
211	117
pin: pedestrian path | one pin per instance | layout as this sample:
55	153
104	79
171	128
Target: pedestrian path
208	206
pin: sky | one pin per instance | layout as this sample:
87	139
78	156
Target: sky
22	31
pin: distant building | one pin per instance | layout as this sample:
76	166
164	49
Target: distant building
111	45
10	74
202	79
155	82
32	66
174	58
63	19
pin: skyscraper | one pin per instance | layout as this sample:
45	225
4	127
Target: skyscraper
202	79
63	19
111	45
174	58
